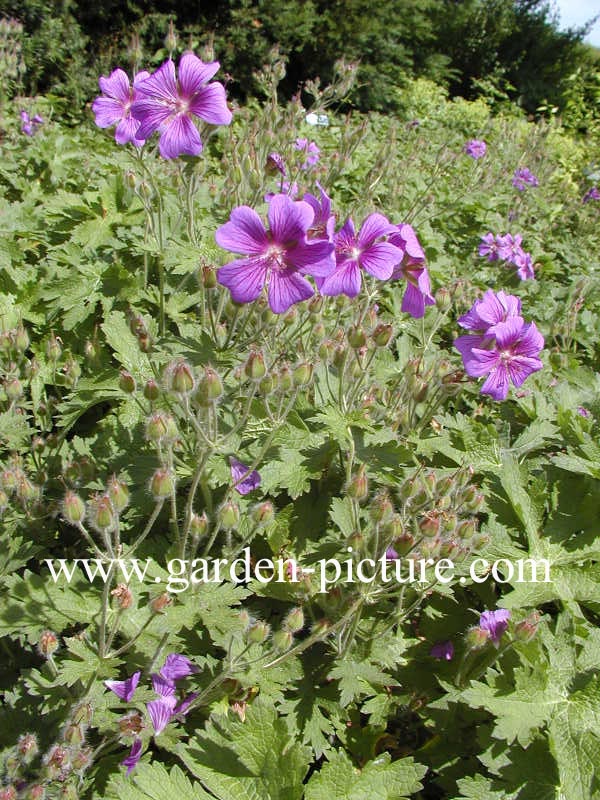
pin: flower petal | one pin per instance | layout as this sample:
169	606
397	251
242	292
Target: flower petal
160	712
126	131
177	666
345	279
151	113
210	104
289	219
134	756
162	84
287	288
107	111
124	689
194	73
313	258
244	278
179	137
116	86
244	233
380	259
375	226
244	481
497	384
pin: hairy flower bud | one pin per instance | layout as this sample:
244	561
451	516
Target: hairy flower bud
263	513
27	747
14	389
228	515
162	484
73	508
302	374
8	793
381	507
198	525
294	621
151	390
118	492
101	513
210	387
131	724
382	334
179	377
209	277
443	299
476	638
160	427
357	337
526	630
358	486
283	640
266	385
158	604
126	382
53	348
284	378
255	367
47	644
429	525
258	633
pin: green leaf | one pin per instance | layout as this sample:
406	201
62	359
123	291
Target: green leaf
153	782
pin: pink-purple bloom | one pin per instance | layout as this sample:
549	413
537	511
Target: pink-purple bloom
244	481
592	194
443	651
29	125
413	269
310	150
476	148
323	224
134	756
176	667
524	177
583	412
391	554
366	250
495	623
507	248
278	257
124	689
113	107
168	102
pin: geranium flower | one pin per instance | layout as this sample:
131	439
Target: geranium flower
510	355
523	178
412	267
114	106
476	148
242	484
124	689
442	650
311	150
29	126
323	224
490	244
495	623
134	756
366	250
591	194
277	258
168	102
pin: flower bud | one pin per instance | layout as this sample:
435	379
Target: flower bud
321	627
27	491
47	644
527	628
73	508
160	427
81	759
21	339
404	544
476	638
283	640
443	300
258	633
255	367
151	390
382	334
118	493
171	38
9	480
14	389
101	513
284	378
315	304
263	513
179	377
339	356
381	507
130	179
162	484
126	382
476	504
393	528
198	525
27	747
302	374
450	549
209	277
429	525
290	317
357	337
53	348
229	515
326	350
318	332
466	529
430	548
123	596
73	735
358	486
68	791
210	387
420	390
294	621
37	790
266	385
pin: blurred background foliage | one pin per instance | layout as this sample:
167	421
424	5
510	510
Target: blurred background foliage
506	51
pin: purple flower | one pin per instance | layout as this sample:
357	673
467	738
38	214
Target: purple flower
366	250
124	689
524	264
275	163
161	713
509	247
583	412
278	257
489	246
167	103
323	224
134	756
311	150
114	106
183	707
29	126
165	689
495	623
176	667
510	355
244	482
442	650
591	194
413	269
489	311
523	177
476	148
391	554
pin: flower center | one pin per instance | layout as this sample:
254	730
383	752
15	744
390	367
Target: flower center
276	256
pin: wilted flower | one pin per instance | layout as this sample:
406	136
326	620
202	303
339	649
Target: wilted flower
168	102
275	163
476	148
310	149
278	257
495	623
442	650
523	177
124	689
114	106
413	269
366	250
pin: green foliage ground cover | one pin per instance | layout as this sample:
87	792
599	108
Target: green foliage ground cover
300	693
